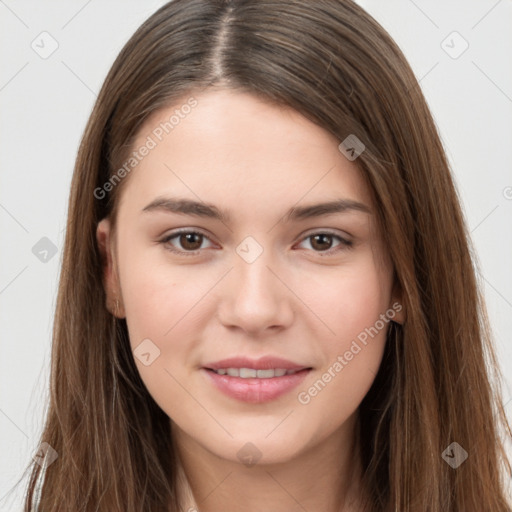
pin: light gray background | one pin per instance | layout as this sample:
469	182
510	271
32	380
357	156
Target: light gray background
44	105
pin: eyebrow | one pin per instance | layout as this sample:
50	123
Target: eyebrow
201	209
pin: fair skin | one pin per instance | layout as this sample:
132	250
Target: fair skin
254	161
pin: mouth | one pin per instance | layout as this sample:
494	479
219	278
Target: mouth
255	386
252	373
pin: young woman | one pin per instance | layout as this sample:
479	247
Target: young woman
267	296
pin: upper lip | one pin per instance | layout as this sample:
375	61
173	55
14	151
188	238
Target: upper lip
263	363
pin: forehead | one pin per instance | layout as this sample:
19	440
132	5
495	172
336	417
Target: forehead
235	149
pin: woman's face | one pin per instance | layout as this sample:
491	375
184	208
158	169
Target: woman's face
264	272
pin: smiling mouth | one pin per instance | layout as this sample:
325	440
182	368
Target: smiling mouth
245	385
251	373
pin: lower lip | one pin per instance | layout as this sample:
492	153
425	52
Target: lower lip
255	390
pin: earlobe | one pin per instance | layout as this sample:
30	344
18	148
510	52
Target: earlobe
109	270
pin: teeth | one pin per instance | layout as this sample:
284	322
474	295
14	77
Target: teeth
266	374
245	373
250	373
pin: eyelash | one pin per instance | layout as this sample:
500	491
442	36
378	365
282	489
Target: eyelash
343	245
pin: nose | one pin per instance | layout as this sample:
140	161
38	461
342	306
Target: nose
255	298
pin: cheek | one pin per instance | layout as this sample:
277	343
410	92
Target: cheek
347	299
166	307
163	311
159	297
353	339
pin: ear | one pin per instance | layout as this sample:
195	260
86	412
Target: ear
110	275
397	305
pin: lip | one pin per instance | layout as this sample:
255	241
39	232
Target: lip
263	363
254	390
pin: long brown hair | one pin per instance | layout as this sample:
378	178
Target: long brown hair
439	381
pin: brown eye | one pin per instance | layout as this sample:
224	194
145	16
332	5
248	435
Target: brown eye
324	242
321	242
185	242
190	241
